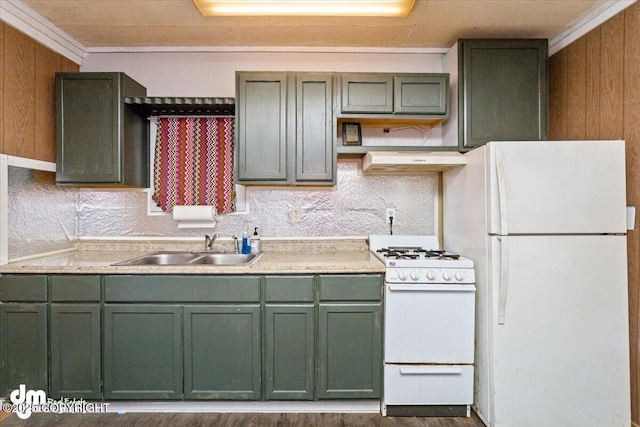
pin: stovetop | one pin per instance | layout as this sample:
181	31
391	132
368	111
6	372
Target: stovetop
414	251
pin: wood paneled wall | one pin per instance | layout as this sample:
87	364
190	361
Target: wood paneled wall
27	95
594	93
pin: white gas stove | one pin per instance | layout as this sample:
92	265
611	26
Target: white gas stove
429	298
418	259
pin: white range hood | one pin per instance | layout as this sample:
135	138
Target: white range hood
392	162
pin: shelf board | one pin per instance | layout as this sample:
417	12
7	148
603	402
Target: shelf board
392	121
364	149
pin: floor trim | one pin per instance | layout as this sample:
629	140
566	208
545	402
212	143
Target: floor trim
248	407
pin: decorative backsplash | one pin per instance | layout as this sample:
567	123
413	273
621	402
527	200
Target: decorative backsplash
354	207
44	217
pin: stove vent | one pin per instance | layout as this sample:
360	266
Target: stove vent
410	163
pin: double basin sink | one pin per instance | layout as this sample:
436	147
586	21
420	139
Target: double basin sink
192	258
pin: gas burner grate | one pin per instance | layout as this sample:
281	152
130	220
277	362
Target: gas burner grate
415	252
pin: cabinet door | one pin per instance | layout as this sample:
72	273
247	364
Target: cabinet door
367	93
23	347
261	127
142	351
503	91
315	159
421	94
75	351
222	352
350	353
99	140
88	129
290	351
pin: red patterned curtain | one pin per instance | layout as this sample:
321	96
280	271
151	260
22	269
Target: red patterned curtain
193	163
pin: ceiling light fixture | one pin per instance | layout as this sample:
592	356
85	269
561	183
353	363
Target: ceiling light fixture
381	8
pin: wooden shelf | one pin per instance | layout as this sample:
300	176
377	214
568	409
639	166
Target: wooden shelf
392	121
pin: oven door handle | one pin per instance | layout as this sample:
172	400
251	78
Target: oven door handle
427	288
427	370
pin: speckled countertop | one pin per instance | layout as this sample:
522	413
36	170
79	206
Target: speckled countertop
280	256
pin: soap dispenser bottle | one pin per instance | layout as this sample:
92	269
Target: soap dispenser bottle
255	242
246	248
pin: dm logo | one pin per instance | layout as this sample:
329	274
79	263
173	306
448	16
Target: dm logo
25	400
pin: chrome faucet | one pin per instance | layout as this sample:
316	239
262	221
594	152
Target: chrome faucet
236	244
208	241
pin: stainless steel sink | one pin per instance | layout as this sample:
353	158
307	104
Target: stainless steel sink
192	258
225	259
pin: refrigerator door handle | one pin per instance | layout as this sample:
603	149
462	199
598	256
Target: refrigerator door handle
502	192
504	281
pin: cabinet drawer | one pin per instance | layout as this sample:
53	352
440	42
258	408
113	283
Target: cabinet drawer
75	288
23	288
289	289
428	384
182	288
352	287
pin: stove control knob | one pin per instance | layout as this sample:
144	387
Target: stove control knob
446	275
460	275
402	275
431	275
415	275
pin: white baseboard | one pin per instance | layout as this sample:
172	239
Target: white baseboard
249	407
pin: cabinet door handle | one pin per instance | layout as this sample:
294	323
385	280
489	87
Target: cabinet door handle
431	288
430	370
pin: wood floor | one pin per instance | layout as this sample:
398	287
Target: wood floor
236	420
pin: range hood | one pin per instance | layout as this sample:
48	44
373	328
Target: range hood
397	163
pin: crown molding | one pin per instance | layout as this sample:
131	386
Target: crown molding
25	19
263	49
597	17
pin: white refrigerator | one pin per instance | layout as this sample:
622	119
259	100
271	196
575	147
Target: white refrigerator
545	224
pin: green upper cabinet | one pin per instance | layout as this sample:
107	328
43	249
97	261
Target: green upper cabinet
427	94
315	159
503	91
100	141
285	128
381	93
367	93
261	127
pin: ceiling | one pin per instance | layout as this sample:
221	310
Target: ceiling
431	24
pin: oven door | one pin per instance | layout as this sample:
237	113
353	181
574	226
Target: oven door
429	323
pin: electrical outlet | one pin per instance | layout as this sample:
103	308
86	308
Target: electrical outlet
296	214
390	212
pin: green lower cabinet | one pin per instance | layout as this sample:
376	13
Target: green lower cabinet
350	350
290	351
75	351
222	352
23	347
142	351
